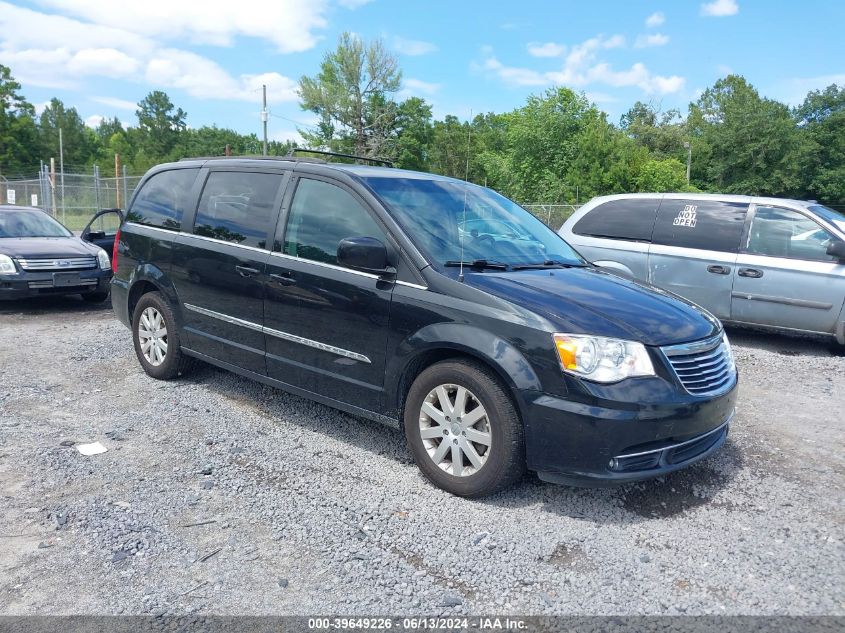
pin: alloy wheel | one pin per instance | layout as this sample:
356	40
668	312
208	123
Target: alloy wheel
152	334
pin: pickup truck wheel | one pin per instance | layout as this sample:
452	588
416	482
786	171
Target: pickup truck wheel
156	338
463	429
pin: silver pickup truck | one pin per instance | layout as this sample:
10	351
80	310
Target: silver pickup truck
766	262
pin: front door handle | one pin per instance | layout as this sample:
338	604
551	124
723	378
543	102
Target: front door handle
246	271
719	270
750	272
285	278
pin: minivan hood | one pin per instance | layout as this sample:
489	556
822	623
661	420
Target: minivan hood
42	247
585	300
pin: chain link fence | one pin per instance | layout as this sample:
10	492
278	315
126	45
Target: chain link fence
554	215
70	198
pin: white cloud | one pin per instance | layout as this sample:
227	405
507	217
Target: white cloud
353	4
61	51
720	8
600	97
94	120
795	90
289	24
417	85
118	104
413	47
653	39
549	49
582	67
105	62
655	19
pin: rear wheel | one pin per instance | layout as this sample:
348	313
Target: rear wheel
156	338
463	429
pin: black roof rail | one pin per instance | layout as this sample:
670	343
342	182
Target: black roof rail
380	161
253	157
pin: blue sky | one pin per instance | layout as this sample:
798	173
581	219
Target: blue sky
462	56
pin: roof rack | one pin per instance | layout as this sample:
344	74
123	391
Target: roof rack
380	161
253	157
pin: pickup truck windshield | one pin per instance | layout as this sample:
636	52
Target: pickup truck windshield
454	221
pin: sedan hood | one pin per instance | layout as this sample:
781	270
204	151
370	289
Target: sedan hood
589	301
43	247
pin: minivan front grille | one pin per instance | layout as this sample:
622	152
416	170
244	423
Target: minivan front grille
703	367
57	264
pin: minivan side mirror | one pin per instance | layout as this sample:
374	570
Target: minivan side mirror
837	249
364	253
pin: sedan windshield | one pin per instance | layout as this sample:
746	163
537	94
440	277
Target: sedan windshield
30	224
454	221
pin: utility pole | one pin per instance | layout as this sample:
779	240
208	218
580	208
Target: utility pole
62	172
53	184
264	115
688	147
117	180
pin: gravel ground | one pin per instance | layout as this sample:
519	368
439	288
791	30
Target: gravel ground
222	496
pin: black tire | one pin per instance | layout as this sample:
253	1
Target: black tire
174	363
505	463
95	297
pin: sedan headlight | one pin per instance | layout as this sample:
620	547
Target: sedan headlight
602	359
103	259
7	266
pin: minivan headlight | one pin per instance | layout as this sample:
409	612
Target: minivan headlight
7	266
103	260
729	353
602	359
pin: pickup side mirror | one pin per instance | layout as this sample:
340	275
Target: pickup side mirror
836	248
364	253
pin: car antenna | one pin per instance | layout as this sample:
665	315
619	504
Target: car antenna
462	229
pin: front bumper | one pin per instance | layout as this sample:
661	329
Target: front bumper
608	443
38	284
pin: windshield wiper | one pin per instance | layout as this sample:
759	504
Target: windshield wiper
478	264
549	263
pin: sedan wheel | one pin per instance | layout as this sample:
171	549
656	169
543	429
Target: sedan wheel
455	430
152	333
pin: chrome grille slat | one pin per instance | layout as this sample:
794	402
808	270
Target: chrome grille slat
702	368
57	264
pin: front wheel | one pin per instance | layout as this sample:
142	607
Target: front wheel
95	297
156	338
463	429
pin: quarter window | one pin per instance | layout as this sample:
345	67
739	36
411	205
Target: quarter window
238	207
163	199
321	216
777	232
703	224
627	219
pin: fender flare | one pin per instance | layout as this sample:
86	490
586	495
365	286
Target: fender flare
149	273
507	361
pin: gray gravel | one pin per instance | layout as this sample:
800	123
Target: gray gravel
220	495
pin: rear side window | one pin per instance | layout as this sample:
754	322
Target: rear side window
238	207
628	219
704	224
163	199
321	215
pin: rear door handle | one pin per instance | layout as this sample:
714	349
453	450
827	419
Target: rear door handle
285	278
719	270
750	272
246	271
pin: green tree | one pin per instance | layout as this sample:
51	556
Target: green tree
822	122
659	176
18	131
414	132
662	133
743	143
161	124
353	96
79	142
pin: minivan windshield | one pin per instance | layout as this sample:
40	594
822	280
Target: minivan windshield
453	221
826	213
30	224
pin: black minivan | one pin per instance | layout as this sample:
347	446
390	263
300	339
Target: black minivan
381	292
